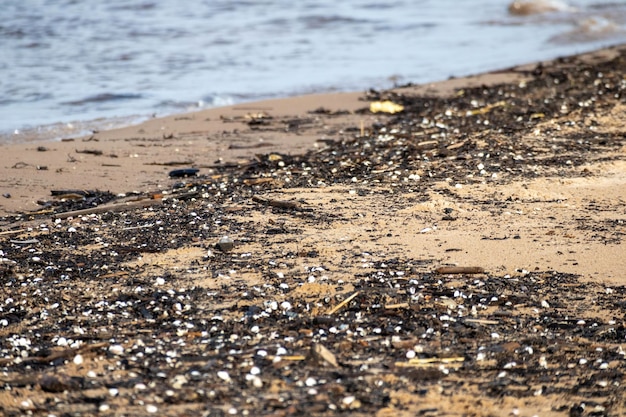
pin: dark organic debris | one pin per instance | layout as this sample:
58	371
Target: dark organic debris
182	173
235	333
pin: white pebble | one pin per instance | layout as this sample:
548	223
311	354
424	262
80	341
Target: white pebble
348	400
223	375
151	408
310	382
78	360
116	349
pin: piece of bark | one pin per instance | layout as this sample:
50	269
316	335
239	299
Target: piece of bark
322	356
460	270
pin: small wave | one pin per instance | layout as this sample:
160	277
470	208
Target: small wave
101	98
322	21
175	106
590	30
530	7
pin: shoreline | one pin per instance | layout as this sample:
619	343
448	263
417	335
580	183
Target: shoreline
214	123
461	256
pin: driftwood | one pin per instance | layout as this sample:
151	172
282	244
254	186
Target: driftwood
109	207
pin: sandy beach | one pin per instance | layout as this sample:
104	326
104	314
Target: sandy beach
307	256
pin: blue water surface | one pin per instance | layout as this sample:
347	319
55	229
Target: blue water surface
71	62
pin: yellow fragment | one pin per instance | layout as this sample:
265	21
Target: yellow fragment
486	109
385	107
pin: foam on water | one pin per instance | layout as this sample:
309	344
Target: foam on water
93	64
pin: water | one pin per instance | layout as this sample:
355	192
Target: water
102	63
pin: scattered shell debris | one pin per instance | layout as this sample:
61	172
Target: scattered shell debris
133	312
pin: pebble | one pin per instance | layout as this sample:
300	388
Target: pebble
184	172
223	375
225	244
116	349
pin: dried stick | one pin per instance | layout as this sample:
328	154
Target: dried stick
343	303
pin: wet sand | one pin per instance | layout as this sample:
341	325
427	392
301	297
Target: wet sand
120	299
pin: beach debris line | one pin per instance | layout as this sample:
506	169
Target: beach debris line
268	335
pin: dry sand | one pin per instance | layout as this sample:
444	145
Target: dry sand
340	218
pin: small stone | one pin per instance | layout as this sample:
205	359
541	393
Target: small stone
225	244
116	349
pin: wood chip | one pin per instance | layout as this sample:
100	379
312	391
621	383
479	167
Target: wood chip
322	356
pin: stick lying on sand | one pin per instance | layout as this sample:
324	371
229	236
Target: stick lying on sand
110	207
460	270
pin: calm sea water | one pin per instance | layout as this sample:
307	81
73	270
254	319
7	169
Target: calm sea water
65	63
